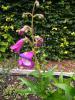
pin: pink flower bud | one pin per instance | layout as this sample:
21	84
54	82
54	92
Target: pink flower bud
25	29
38	41
21	31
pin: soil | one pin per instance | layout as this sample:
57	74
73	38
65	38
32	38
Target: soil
65	65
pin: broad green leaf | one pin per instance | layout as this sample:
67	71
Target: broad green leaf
63	86
66	90
72	91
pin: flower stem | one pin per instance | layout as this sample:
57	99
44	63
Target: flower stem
33	39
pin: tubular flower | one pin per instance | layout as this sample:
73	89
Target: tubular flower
26	60
38	41
27	55
21	31
17	47
25	29
26	63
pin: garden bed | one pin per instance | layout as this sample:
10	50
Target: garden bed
11	77
65	65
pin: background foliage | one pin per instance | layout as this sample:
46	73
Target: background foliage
57	29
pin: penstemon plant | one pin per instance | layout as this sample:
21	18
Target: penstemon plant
36	41
42	83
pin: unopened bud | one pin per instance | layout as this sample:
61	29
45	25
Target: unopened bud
25	39
37	3
24	15
27	28
40	16
38	41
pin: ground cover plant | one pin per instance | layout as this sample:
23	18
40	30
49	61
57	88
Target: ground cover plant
37	86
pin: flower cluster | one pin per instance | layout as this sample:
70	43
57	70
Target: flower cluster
26	58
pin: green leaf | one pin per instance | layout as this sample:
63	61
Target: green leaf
4	44
48	74
66	89
73	77
72	91
5	36
35	74
29	84
24	92
5	7
61	78
63	86
2	49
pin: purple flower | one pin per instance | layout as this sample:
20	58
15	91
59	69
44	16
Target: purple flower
25	29
21	31
38	41
27	55
17	47
26	63
26	60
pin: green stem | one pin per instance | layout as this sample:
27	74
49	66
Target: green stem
33	39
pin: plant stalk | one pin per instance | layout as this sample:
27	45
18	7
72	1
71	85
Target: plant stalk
33	39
